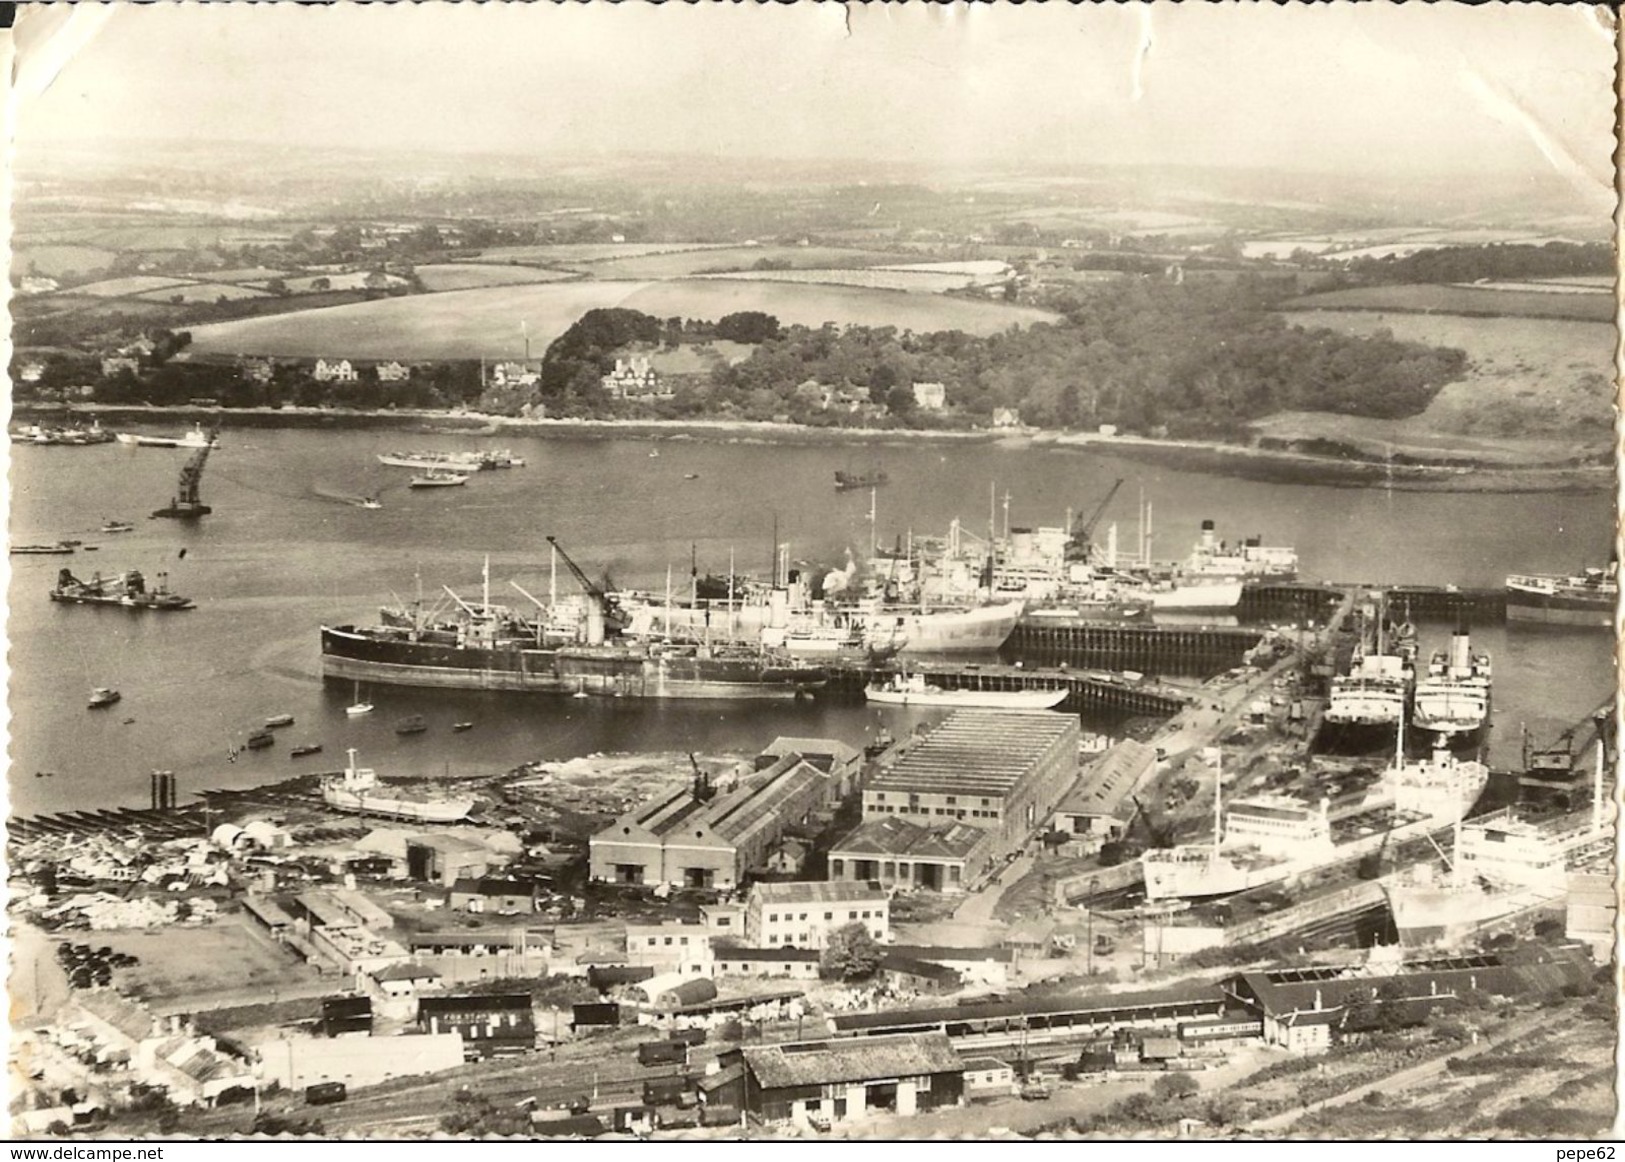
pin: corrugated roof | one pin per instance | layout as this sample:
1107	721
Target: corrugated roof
1202	992
812	748
127	1016
751	955
891	835
817	892
267	911
1105	787
977	752
952	955
405	971
835	1062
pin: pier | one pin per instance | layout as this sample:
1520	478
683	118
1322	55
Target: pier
1185	651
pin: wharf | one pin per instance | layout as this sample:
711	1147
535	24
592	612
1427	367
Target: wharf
1185	650
148	823
1086	691
1448	603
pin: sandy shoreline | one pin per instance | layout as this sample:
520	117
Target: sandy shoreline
1264	464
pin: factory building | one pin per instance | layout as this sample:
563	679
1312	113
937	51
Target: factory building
958	802
1099	807
704	836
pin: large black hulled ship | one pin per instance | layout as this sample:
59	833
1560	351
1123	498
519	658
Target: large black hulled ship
574	646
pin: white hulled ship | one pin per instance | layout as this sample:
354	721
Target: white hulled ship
917	690
1264	839
1500	865
196	438
1453	699
357	789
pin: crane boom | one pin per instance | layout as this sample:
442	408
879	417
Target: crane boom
1083	532
586	582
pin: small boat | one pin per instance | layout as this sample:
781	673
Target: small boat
93	548
846	481
358	707
307	748
654	455
261	739
40	550
118	526
370	502
411	724
103	696
438	478
459	727
278	720
691	476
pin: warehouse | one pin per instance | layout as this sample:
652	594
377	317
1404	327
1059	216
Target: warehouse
702	836
1100	806
490	1025
1001	772
840	1081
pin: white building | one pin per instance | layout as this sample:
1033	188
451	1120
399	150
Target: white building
930	397
803	914
336	371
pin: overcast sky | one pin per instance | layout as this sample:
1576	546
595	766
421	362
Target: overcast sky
1419	87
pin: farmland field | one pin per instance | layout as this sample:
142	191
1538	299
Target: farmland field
203	292
241	274
1525	376
573	253
348	280
979	268
455	276
1463	300
876	278
1580	284
475	323
113	288
54	261
740	258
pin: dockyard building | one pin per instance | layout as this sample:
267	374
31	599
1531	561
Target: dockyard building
702	836
842	763
802	914
501	897
1002	772
841	1081
357	1061
1589	914
897	853
1100	805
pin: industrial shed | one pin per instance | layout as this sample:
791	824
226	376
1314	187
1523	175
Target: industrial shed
841	1081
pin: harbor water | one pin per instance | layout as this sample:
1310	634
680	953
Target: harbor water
288	548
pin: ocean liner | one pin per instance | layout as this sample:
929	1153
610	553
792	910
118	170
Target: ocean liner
1453	699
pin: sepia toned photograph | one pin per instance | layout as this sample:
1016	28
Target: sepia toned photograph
811	573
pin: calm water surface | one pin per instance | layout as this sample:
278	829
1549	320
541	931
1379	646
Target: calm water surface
281	555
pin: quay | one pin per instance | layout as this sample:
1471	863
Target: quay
1086	691
1185	651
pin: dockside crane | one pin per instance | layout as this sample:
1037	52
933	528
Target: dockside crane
1082	547
607	605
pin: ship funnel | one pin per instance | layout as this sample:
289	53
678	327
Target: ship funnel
595	623
1207	534
1461	656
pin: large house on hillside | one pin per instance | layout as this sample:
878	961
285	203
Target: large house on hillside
634	379
336	371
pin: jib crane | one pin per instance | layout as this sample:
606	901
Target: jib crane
186	505
1083	532
589	586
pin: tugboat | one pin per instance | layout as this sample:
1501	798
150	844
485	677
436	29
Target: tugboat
261	739
103	696
118	526
307	748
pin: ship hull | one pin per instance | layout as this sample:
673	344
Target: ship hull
995	699
981	630
1546	609
1216	595
610	672
426	811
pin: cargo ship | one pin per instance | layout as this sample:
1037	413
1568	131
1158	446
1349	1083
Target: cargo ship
1590	599
1453	699
574	646
1365	704
357	789
126	590
196	438
1265	839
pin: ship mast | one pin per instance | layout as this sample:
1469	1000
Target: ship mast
874	529
730	593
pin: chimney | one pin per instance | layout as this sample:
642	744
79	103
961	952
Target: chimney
1317	1000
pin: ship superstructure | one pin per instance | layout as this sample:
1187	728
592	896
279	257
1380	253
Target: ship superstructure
1453	699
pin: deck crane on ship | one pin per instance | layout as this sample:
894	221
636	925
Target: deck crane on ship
1082	545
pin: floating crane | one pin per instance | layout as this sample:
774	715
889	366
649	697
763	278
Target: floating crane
1082	547
186	505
